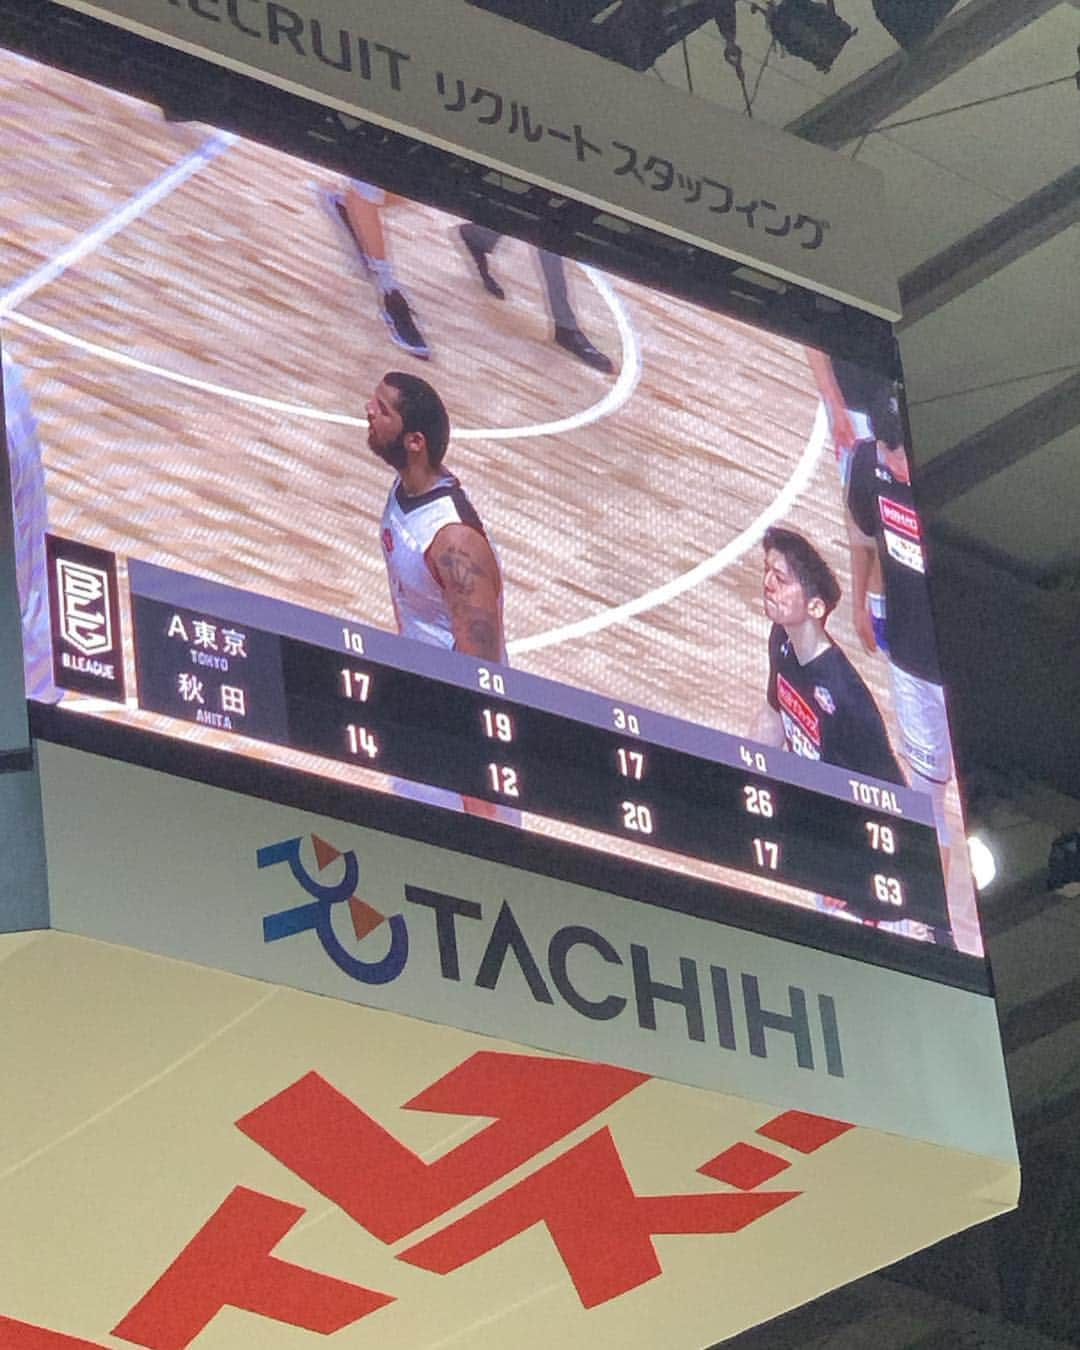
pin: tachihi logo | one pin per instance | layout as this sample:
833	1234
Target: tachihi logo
478	943
602	1228
84	619
319	913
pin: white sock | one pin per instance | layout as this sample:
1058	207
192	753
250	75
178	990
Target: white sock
382	270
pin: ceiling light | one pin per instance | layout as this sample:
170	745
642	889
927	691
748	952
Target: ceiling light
983	862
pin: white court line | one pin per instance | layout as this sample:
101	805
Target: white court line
114	222
614	399
731	552
204	386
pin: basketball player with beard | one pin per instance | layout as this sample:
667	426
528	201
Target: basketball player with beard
445	578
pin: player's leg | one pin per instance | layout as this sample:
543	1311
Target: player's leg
568	334
924	742
479	242
363	214
359	210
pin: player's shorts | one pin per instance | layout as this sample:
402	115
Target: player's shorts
924	728
861	425
879	620
423	792
369	191
449	801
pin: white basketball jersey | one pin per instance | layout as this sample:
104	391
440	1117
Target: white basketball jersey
409	526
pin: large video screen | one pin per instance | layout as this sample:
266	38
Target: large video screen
660	595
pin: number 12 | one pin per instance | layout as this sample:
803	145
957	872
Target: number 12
503	779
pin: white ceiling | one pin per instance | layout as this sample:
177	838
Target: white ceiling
1015	334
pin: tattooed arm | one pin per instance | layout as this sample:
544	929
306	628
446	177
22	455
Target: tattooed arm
463	564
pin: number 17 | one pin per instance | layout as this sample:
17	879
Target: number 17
767	854
631	763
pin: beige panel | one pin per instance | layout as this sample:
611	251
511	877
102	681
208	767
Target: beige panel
179	1053
11	942
86	1025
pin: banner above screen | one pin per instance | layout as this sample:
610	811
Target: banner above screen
503	95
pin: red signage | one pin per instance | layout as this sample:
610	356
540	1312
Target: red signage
601	1227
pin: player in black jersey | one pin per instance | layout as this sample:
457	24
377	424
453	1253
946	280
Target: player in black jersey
884	529
848	392
816	703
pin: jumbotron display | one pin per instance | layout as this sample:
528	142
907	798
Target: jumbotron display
315	475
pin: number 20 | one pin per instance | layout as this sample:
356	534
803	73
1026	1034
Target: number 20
637	818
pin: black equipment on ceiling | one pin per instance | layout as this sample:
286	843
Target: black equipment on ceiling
911	21
636	33
809	29
633	32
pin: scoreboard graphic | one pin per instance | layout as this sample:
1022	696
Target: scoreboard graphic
197	506
355	694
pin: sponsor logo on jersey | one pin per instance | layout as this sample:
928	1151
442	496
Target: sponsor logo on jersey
902	534
824	699
904	551
801	724
897	516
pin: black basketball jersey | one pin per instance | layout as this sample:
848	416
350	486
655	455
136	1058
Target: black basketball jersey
827	711
883	508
